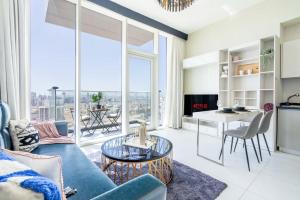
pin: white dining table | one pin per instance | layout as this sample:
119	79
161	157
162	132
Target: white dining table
219	117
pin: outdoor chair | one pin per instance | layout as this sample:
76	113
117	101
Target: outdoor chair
113	118
85	120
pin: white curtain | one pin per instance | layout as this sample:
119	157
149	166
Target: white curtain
13	70
174	97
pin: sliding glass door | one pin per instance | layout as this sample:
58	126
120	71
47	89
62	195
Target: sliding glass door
140	90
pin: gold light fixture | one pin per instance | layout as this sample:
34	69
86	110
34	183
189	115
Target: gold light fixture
175	5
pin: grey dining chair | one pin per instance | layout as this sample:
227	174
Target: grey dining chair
263	128
245	133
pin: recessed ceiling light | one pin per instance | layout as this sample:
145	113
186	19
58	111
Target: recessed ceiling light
229	10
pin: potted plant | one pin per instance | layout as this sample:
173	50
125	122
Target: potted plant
96	98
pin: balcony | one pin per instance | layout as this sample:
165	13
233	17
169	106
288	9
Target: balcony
95	123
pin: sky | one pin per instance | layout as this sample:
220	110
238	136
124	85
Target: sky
53	59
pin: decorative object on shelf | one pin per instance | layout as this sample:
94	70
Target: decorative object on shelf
219	104
236	58
268	51
224	73
268	107
249	71
266	55
241	72
236	103
96	98
175	5
254	67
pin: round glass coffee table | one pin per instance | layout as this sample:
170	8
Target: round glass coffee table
122	162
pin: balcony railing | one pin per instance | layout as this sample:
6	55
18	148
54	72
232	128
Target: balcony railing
57	105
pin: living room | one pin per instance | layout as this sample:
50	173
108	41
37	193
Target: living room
152	100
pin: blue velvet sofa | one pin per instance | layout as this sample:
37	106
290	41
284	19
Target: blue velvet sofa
79	172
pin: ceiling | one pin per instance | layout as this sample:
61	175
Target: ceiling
62	13
200	14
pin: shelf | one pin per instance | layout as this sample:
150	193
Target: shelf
246	59
238	90
250	98
266	89
223	90
245	75
223	63
238	98
267	55
224	77
267	72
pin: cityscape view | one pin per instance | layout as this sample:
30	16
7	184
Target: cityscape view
43	106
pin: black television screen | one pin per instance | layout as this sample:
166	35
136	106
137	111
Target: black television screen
201	102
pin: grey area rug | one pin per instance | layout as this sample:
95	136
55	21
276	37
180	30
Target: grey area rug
190	184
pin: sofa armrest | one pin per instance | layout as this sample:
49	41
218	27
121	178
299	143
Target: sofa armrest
62	127
144	187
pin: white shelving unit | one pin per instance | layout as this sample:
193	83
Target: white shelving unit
257	87
224	92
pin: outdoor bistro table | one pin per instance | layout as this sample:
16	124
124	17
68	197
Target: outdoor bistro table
122	162
97	116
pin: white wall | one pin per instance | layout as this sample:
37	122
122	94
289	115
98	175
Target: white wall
201	80
259	21
250	24
291	86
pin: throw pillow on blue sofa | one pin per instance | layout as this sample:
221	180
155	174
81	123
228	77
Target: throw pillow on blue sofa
18	181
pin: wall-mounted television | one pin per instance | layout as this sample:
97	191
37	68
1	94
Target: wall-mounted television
199	102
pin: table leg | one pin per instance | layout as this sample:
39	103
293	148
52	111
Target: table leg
91	130
202	156
223	130
198	124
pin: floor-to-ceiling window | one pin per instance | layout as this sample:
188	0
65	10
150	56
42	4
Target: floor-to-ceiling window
140	44
162	78
101	75
53	46
52	60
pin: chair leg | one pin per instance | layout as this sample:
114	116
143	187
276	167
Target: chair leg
266	144
255	150
258	142
237	139
222	148
231	145
247	154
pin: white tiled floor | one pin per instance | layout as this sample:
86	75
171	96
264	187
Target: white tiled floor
277	177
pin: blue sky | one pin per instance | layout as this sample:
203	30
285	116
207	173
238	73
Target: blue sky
53	59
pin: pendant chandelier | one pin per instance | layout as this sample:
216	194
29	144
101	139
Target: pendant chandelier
175	5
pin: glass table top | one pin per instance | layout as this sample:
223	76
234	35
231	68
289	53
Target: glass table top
116	149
